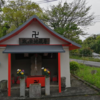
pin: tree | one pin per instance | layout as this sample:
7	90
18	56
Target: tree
66	19
93	42
96	44
3	29
87	52
16	12
1	3
88	42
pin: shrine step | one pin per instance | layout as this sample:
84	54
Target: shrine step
88	97
53	86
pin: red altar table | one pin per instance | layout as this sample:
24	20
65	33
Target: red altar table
35	79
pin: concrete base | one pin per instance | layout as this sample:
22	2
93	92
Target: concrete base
47	86
35	90
22	87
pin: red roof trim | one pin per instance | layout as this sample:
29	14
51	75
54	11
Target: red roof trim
34	19
52	32
71	44
16	32
1	45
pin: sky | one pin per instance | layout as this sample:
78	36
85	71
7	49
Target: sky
95	7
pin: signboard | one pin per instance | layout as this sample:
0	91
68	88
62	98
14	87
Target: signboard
24	41
35	79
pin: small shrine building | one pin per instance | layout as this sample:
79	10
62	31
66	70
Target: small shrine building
19	48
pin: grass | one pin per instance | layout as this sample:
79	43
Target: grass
85	58
84	72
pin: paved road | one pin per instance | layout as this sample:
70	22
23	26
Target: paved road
90	63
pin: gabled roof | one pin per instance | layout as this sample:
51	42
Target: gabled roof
34	17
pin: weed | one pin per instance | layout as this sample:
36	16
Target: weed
84	72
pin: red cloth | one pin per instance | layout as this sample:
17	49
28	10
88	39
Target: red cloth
13	80
18	80
54	79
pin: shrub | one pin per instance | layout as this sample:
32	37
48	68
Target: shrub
86	52
74	66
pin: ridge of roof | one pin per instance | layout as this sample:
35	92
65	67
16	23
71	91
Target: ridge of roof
30	19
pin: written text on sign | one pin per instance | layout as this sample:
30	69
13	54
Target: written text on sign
23	41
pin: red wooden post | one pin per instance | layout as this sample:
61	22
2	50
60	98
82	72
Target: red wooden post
9	74
59	73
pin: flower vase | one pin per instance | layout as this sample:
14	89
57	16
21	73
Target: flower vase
47	85
22	87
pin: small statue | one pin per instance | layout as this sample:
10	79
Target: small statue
36	64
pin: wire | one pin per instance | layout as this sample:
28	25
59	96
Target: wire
45	1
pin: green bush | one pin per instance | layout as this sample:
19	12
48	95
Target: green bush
74	66
87	52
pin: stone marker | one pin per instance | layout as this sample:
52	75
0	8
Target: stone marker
22	87
35	90
63	82
93	72
47	86
3	84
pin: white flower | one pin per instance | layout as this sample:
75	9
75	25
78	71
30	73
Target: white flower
17	70
42	68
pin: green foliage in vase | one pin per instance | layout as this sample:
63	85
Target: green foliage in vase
46	72
20	73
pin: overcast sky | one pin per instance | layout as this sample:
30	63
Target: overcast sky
95	7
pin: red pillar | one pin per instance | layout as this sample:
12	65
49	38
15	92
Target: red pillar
59	73
9	74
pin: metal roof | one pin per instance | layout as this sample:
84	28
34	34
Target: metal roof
33	49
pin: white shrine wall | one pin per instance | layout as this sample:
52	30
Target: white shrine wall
27	33
65	67
3	65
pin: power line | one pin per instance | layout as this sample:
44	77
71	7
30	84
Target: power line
45	1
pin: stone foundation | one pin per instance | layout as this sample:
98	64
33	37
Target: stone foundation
63	82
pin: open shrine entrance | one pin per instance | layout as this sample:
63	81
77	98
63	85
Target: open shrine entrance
32	63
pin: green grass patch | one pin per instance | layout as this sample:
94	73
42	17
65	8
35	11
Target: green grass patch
84	72
85	58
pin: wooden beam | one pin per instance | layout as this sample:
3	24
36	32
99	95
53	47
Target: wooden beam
9	74
59	73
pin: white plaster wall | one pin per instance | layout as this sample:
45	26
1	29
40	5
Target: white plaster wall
3	65
65	69
27	33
